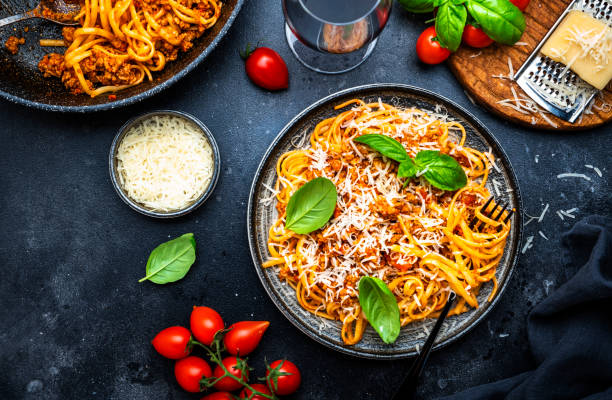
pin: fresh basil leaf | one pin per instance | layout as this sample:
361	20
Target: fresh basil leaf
311	206
385	145
441	170
501	20
407	169
438	3
171	261
380	308
418	6
450	22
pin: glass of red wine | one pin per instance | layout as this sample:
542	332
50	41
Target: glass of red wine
334	36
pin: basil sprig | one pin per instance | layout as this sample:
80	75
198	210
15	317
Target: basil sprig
170	261
450	22
380	308
311	206
501	20
440	170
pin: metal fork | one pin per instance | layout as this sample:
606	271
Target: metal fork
65	11
475	223
408	388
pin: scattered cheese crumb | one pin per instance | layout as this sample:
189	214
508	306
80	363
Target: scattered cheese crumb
573	175
528	244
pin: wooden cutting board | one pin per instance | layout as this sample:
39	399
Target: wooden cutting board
474	69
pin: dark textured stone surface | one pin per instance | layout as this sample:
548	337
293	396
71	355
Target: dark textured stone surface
74	322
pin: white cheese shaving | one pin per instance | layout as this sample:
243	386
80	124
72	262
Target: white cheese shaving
597	170
573	175
527	245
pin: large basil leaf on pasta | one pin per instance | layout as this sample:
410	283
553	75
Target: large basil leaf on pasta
441	170
407	169
311	206
380	308
385	145
170	261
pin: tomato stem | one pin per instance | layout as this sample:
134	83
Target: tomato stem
214	353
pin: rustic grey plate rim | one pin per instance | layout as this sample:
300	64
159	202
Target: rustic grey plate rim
435	99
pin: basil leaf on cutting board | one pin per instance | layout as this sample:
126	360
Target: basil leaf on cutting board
418	6
311	206
380	308
501	20
385	145
441	170
170	261
450	21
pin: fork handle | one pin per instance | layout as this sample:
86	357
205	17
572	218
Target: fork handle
16	18
408	388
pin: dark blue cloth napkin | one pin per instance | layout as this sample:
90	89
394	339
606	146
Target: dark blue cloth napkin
570	332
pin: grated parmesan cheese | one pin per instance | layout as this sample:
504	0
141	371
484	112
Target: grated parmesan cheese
165	163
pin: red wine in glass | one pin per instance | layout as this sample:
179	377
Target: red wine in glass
334	36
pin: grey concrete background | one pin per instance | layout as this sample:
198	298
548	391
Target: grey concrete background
76	324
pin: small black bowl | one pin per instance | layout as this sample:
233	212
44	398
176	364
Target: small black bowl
112	162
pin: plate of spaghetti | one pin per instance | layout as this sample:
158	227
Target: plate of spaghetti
409	234
119	52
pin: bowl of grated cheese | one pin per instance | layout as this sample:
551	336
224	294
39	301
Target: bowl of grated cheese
164	164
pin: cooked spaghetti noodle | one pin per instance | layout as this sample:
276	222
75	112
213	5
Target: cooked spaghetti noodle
119	43
416	239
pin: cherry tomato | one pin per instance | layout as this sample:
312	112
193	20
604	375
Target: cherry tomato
285	384
228	384
258	387
205	322
429	50
173	342
218	396
520	4
267	69
244	336
475	37
190	371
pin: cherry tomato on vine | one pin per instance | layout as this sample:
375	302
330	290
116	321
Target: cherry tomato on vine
218	396
520	4
258	387
285	384
173	342
475	37
428	49
205	322
190	371
266	68
228	384
244	336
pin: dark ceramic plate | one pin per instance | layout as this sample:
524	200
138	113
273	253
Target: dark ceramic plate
261	214
21	82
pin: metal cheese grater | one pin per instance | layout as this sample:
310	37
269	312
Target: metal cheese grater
540	75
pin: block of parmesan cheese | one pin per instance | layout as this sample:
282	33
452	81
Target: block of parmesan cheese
583	44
